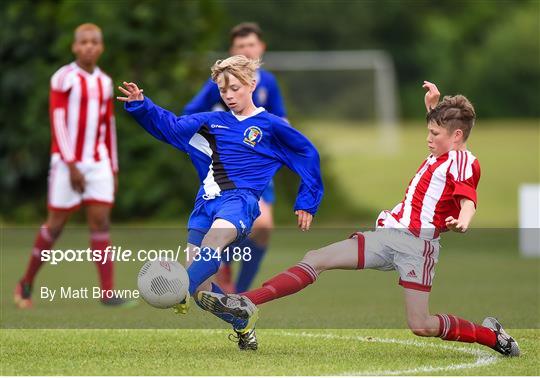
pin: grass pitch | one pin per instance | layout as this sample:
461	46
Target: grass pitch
355	320
291	352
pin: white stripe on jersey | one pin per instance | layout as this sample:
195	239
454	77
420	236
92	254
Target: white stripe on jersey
406	218
114	151
211	188
59	82
462	163
74	102
59	116
431	198
92	118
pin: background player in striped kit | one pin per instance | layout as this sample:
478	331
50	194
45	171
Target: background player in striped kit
84	163
246	39
440	197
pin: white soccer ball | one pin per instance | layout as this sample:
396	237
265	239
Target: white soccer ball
163	283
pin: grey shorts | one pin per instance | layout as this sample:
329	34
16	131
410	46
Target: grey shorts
394	249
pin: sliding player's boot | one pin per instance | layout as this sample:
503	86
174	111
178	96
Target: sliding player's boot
506	345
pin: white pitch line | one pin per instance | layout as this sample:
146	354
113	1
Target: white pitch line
483	358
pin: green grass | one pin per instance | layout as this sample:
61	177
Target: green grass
375	177
338	313
296	352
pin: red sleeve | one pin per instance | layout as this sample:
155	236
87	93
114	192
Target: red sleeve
110	135
58	104
466	188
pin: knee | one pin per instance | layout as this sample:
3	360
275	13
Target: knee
98	224
212	240
315	260
262	228
264	222
55	230
261	235
55	223
220	235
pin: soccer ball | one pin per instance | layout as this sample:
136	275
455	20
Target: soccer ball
163	283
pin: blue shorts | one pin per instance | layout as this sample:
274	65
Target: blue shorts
238	206
268	195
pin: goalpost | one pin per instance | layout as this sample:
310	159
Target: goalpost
353	62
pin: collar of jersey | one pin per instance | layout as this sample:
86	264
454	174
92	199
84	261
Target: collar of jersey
79	69
260	109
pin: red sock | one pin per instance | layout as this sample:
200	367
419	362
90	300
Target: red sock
44	240
99	241
286	283
455	329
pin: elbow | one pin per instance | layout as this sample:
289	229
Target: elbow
314	156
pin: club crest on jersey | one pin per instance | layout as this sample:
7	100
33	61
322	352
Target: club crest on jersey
252	135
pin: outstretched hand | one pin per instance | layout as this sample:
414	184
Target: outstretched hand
304	219
132	92
456	225
431	99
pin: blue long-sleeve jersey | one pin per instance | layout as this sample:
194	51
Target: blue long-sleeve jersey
266	94
233	152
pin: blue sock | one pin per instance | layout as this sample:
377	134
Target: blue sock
216	289
200	270
250	268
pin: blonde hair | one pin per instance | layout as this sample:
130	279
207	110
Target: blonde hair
239	66
452	113
86	27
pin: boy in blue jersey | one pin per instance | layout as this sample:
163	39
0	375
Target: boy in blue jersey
235	154
246	39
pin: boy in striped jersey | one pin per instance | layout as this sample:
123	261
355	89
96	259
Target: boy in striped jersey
440	197
84	162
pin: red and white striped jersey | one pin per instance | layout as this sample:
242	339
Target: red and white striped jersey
82	118
434	194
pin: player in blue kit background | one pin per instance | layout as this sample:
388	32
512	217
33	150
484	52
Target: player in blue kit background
246	39
236	154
